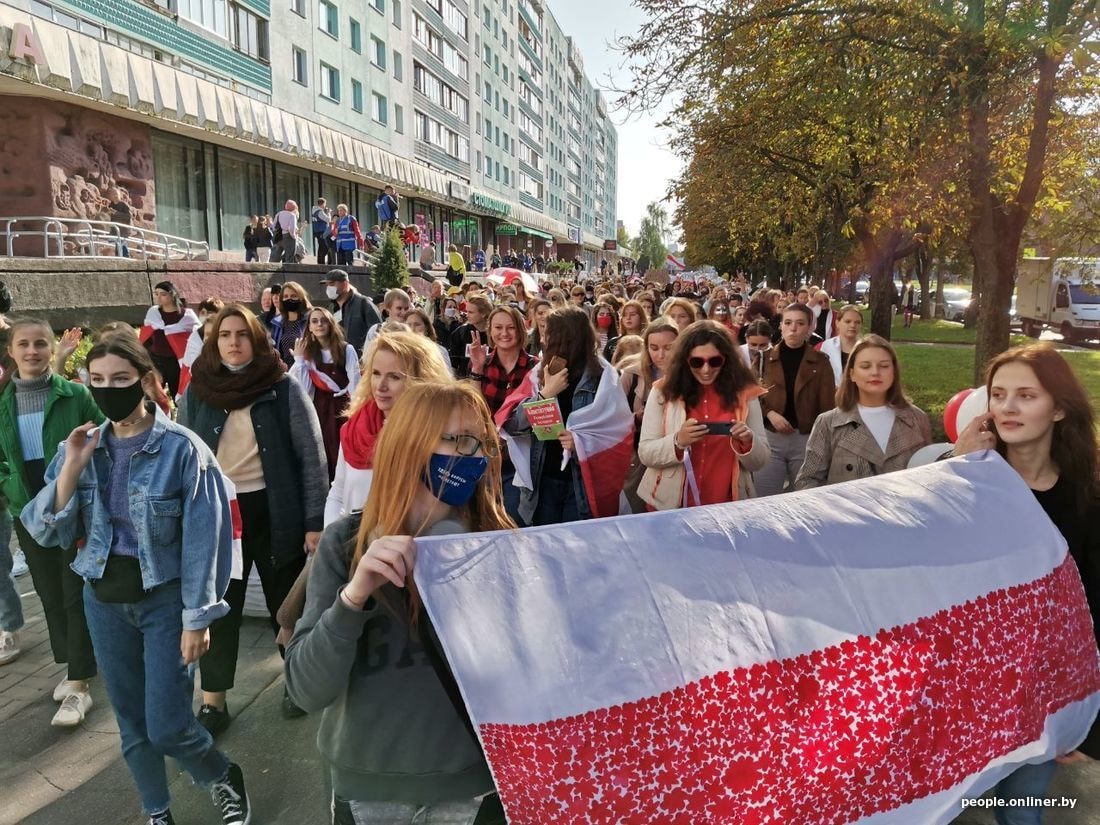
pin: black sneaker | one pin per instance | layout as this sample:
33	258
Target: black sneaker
231	798
214	719
291	710
163	818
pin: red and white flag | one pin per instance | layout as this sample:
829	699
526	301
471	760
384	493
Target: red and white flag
869	652
603	433
177	335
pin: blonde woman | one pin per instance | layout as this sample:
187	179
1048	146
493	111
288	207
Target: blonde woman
396	747
393	362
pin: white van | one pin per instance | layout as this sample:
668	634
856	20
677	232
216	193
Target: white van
1062	293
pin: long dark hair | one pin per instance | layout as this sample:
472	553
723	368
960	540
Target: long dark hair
337	345
261	343
732	379
1073	446
126	347
570	336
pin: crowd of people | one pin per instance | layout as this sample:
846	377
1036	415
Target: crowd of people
333	433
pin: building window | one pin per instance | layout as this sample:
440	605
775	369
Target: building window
328	18
298	7
379	5
398	66
380	108
396	7
357	96
330	82
378	53
356	36
210	14
250	34
399	118
301	72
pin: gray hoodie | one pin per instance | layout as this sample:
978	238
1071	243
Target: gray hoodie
389	730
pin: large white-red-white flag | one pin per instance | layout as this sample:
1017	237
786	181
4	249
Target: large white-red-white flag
177	335
870	652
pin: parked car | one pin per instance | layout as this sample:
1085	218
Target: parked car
956	300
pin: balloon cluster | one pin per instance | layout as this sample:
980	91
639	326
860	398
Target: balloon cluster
964	407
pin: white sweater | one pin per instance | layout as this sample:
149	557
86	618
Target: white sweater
349	490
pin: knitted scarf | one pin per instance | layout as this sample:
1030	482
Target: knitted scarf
359	436
225	390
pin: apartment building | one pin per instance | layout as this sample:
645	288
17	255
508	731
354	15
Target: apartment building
204	112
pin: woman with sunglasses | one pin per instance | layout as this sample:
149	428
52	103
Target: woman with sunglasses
396	748
702	424
873	429
849	325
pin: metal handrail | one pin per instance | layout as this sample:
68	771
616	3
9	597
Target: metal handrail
92	239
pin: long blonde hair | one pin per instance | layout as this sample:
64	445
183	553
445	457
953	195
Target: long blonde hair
420	360
402	458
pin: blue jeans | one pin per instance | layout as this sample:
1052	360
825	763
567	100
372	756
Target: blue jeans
138	648
1025	781
511	494
11	609
557	501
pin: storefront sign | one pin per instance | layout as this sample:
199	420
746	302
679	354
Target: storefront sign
459	191
491	204
507	229
25	45
611	246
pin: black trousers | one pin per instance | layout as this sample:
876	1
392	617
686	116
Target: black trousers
219	666
62	594
169	369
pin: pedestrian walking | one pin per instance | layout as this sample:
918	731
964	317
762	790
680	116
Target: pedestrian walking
290	324
355	312
285	233
456	266
386	206
249	238
167	327
321	222
264	240
142	492
849	325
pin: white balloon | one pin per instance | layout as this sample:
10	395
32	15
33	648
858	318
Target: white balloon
926	455
972	406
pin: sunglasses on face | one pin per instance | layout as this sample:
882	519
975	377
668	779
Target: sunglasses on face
714	362
721	311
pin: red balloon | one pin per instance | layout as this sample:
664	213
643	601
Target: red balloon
951	414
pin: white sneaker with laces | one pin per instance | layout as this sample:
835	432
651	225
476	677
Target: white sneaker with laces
72	710
19	564
64	688
9	647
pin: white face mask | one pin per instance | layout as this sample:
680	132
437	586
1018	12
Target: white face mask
332	293
450	312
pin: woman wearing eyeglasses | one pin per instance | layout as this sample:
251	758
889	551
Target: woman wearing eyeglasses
396	748
849	326
702	424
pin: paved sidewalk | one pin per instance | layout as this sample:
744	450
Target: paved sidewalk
50	776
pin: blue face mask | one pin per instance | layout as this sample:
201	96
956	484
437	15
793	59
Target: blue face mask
453	478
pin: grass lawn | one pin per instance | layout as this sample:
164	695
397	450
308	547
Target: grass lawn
933	374
932	332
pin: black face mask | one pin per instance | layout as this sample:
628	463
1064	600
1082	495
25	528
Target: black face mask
292	305
118	403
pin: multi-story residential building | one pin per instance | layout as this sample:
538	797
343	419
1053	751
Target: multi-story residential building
205	112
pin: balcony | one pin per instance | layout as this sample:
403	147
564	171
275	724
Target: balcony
531	17
575	59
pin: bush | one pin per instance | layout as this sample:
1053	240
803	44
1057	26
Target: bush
391	269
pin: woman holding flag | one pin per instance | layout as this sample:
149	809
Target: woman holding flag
327	368
398	745
579	474
167	327
702	424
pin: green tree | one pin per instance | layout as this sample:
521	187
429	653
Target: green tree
626	245
391	269
650	245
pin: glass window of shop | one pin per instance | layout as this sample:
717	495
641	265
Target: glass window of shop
180	172
336	192
241	193
466	233
292	184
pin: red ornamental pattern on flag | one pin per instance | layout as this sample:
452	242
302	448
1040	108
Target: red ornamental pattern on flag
906	643
177	335
603	433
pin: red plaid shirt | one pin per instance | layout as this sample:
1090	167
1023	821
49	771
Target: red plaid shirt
497	383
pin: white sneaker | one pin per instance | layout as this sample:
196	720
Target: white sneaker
9	647
72	710
64	689
19	564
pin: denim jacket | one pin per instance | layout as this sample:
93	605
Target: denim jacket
179	507
517	424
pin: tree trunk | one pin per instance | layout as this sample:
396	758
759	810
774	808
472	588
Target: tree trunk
923	259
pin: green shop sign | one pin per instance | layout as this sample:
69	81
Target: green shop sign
491	204
507	229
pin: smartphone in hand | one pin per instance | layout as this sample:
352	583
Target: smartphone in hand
717	427
556	365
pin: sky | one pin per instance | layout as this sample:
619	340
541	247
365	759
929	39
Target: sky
645	167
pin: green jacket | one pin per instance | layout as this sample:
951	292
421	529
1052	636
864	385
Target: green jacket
69	405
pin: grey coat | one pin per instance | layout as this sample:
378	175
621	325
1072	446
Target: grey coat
842	448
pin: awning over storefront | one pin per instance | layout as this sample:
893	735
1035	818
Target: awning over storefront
537	233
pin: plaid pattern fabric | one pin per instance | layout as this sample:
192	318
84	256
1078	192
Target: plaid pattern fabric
497	384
